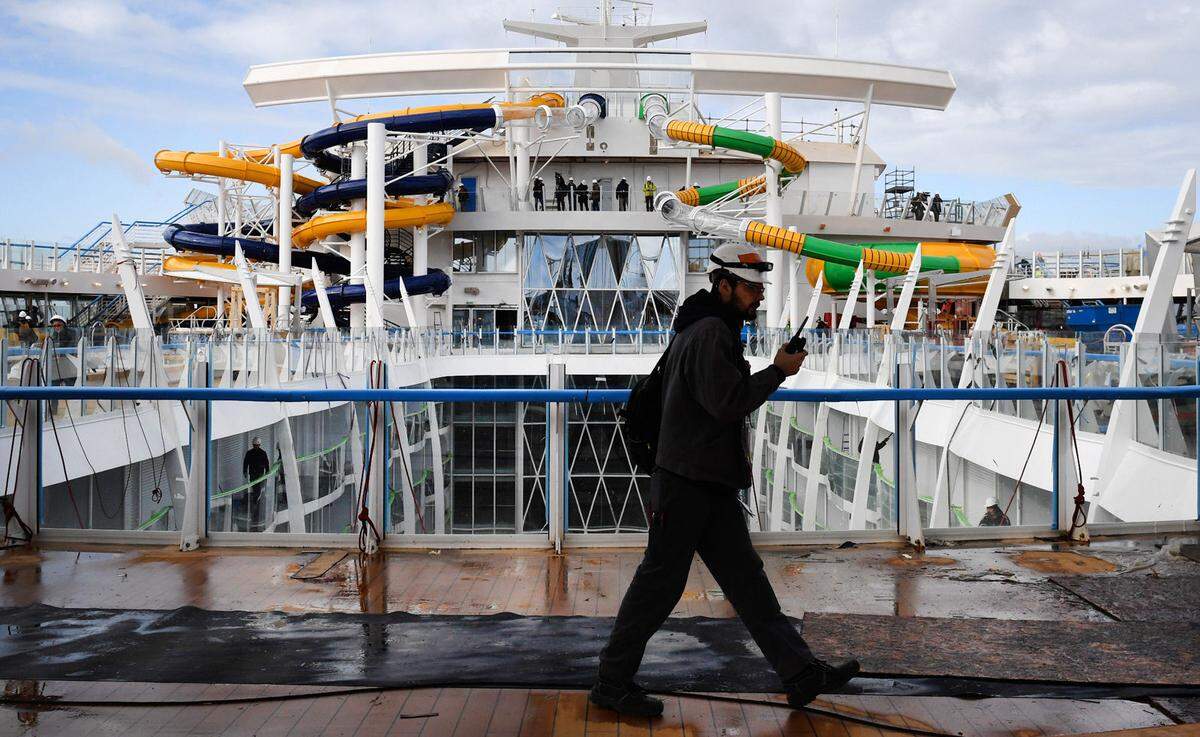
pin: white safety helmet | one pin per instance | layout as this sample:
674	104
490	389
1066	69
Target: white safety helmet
991	502
256	442
58	318
593	181
647	179
742	260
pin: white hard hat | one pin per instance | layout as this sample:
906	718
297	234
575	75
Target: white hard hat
60	318
647	178
990	502
742	260
256	441
593	181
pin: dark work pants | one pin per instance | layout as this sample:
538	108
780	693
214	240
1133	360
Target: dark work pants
689	517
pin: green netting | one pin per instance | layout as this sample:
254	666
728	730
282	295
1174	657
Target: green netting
163	512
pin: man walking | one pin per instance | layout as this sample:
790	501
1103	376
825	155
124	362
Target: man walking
255	466
708	394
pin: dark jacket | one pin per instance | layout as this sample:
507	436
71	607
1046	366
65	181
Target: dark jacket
256	463
708	393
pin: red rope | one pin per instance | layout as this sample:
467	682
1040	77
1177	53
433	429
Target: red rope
366	525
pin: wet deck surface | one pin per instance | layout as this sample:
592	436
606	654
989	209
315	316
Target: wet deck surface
1011	582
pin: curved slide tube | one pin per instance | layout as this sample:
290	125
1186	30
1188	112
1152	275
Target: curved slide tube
968	256
885	258
329	195
752	143
355	221
435	282
202	238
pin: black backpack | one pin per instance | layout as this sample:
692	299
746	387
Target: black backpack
641	417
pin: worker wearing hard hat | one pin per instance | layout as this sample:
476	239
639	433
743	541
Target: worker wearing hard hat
61	367
649	189
708	393
993	515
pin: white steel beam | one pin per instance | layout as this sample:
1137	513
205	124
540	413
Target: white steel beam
376	144
358	241
283	236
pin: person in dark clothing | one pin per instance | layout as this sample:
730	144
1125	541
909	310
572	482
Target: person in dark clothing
595	196
464	198
935	207
539	194
25	332
708	394
994	516
572	199
560	192
581	196
918	206
255	466
622	195
61	368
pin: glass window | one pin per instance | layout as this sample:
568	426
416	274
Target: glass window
462	259
500	252
698	251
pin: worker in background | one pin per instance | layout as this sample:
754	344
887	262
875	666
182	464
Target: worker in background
25	332
994	516
935	207
464	197
918	206
61	368
560	192
622	195
255	465
539	194
708	394
649	190
572	199
581	196
595	195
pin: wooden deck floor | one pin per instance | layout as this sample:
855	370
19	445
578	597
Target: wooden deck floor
878	580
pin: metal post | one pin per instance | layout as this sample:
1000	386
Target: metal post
376	143
376	484
27	484
862	144
358	241
421	239
283	236
556	448
195	511
774	213
909	508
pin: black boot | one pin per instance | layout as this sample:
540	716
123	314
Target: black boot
630	699
821	677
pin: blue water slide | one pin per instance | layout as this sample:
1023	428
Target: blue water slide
203	238
435	282
322	198
435	122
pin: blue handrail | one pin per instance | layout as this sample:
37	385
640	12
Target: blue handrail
585	396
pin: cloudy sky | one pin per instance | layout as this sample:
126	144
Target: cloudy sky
1088	110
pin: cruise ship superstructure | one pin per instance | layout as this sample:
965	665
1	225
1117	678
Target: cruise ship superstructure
474	235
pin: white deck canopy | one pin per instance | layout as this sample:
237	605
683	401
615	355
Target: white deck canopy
488	72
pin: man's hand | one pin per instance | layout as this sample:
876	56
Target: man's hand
789	363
